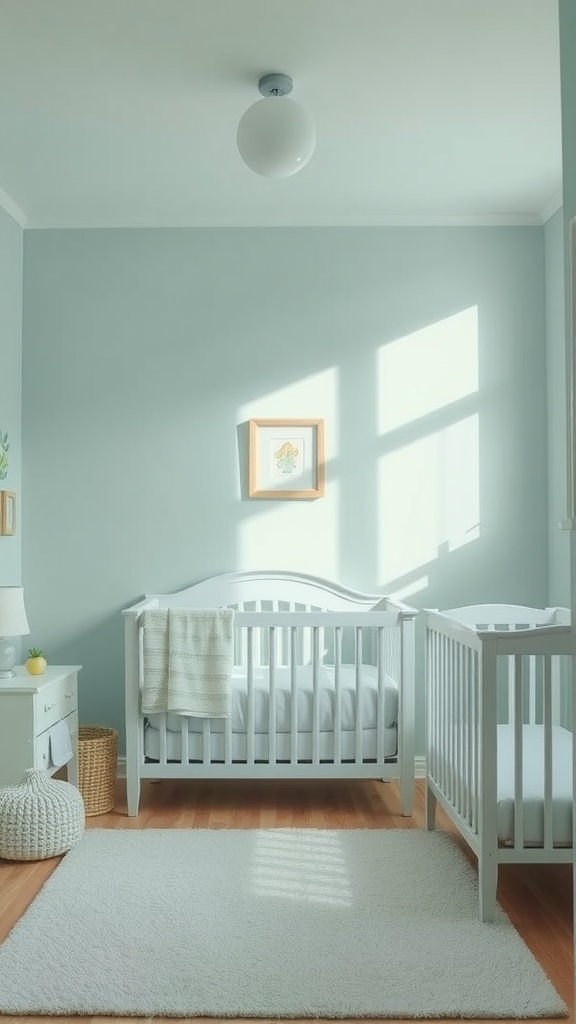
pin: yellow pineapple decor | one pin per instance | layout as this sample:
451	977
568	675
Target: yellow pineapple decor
36	663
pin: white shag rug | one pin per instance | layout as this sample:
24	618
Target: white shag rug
267	923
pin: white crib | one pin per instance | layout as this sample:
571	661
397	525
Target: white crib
499	733
322	687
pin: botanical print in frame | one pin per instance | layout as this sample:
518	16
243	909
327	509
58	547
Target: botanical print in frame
286	459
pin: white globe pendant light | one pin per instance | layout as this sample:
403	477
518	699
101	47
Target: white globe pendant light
276	136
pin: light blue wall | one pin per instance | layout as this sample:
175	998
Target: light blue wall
558	540
146	350
11	386
567	11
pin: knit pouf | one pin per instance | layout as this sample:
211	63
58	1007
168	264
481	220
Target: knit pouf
39	817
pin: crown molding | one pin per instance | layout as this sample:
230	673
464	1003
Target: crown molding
12	208
552	206
396	221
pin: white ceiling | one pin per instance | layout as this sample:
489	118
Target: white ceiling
124	112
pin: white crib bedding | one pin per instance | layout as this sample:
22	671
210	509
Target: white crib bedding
533	785
305	703
326	702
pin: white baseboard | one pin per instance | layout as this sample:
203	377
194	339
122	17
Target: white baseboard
419	767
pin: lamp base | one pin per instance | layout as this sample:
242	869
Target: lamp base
7	658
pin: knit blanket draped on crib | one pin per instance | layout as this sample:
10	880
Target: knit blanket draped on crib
188	657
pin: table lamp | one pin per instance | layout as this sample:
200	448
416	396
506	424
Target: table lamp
13	622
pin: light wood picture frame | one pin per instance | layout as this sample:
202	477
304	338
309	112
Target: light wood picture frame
286	459
7	513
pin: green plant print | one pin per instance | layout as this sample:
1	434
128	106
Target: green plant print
4	448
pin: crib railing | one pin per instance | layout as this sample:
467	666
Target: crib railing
502	673
453	685
267	640
265	643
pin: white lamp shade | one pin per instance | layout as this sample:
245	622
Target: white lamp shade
276	137
13	621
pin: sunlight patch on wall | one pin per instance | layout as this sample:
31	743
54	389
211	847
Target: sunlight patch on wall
286	534
428	494
309	867
293	535
428	369
311	397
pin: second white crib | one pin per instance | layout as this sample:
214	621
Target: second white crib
499	733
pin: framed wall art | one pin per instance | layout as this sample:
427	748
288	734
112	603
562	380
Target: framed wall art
7	513
286	459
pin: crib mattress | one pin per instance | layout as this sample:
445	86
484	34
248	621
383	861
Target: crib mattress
533	785
304	706
304	702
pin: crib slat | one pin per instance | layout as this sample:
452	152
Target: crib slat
518	753
338	695
448	724
429	702
447	731
444	713
452	721
184	748
532	690
228	740
548	769
206	738
272	696
460	734
162	739
250	694
436	698
294	694
474	737
430	695
555	684
359	693
315	695
456	724
257	641
381	699
439	706
466	760
509	663
438	702
306	635
439	689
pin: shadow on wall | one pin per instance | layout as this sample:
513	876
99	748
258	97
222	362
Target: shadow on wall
100	692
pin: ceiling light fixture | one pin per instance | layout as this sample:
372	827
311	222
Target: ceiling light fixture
276	136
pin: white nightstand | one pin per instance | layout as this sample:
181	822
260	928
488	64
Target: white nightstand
29	707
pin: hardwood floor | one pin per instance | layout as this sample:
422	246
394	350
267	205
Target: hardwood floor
537	898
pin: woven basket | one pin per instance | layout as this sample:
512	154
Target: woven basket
97	762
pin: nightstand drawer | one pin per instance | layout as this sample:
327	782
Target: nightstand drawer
55	702
42	757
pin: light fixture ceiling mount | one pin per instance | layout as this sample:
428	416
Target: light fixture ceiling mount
276	136
275	85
